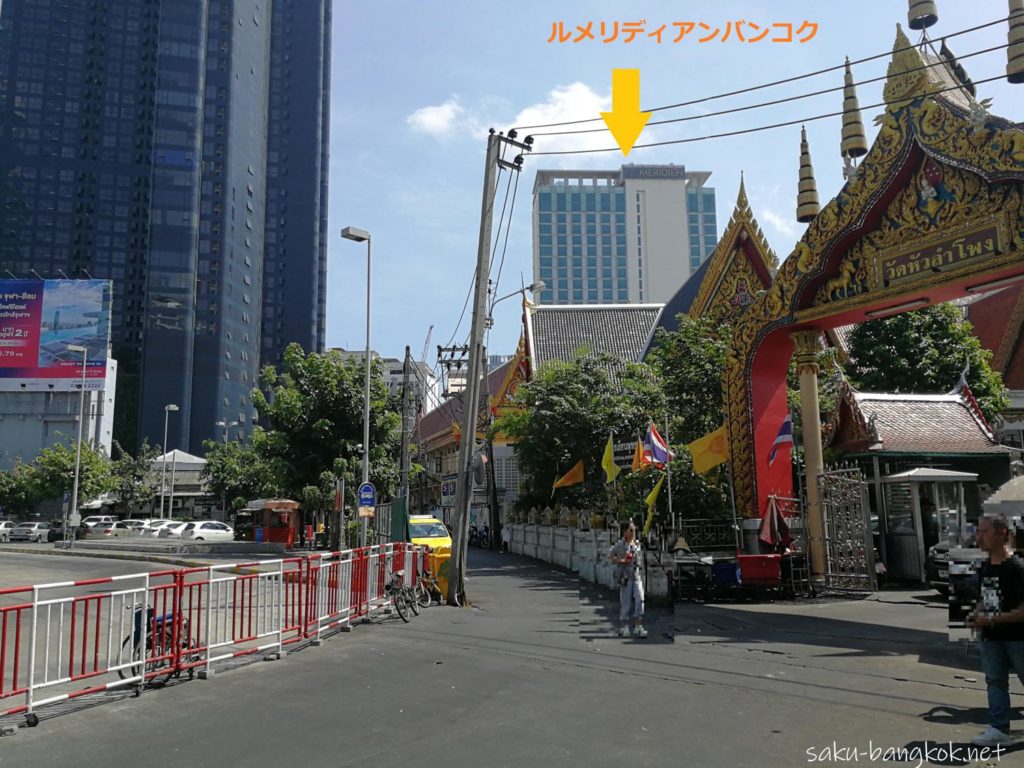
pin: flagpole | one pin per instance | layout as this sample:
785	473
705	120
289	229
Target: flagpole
732	502
668	471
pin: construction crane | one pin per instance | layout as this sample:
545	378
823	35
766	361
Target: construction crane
426	346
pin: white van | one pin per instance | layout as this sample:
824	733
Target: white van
94	520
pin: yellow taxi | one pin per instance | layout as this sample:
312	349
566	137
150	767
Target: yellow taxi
428	530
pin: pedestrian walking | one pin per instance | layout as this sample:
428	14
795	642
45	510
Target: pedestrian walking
999	619
627	556
506	537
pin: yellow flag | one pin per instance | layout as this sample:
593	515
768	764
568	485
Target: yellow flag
651	500
710	451
638	457
611	469
573	477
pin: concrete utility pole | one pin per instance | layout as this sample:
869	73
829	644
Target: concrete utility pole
471	399
403	483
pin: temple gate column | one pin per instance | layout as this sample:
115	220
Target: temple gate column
807	345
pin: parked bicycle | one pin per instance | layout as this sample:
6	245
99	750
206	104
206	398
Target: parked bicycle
157	663
428	589
401	596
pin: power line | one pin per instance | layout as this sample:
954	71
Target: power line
504	249
462	314
776	102
762	127
772	84
469	293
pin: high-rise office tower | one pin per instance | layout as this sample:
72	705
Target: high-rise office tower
632	235
136	144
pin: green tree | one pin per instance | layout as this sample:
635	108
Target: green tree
689	363
314	409
53	473
19	490
924	351
239	472
569	411
133	477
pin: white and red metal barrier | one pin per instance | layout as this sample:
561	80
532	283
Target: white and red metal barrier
69	639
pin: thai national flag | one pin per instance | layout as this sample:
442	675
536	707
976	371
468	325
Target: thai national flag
655	448
785	436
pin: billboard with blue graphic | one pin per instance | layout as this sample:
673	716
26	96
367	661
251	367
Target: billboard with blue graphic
40	319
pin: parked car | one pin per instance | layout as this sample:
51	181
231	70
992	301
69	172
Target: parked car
155	526
138	525
92	520
428	530
109	530
208	530
56	532
953	572
6	527
172	530
29	532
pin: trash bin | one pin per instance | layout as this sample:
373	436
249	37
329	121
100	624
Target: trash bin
438	561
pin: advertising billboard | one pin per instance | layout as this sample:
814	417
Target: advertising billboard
40	319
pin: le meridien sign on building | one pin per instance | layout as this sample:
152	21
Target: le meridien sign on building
654	172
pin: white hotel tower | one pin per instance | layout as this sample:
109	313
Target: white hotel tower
628	236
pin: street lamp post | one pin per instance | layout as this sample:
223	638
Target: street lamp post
70	542
163	470
225	426
360	236
492	490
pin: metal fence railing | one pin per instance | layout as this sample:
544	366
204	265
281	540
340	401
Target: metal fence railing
65	640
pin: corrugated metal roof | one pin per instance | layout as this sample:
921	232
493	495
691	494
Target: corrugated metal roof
620	330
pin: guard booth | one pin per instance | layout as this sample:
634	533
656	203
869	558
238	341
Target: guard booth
923	506
276	520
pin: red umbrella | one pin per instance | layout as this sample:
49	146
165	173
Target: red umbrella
773	531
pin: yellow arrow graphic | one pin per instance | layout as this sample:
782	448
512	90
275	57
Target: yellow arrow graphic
626	121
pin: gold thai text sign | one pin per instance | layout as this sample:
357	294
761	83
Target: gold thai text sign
914	261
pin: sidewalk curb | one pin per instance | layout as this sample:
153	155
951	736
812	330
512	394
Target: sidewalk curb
181	563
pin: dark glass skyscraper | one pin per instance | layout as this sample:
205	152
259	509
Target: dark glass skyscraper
178	147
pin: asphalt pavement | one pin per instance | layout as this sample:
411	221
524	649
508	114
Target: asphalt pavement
534	675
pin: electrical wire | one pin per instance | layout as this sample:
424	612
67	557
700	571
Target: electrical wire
760	128
504	249
472	283
775	102
462	314
772	84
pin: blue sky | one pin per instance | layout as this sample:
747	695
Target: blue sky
416	85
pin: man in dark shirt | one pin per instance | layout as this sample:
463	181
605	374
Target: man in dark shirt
999	617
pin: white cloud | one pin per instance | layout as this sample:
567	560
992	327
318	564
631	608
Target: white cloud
440	120
565	103
780	224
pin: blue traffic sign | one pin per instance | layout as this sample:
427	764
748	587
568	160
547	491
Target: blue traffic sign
367	495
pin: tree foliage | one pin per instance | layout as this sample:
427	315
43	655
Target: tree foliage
53	471
570	409
312	417
689	362
132	477
924	351
238	472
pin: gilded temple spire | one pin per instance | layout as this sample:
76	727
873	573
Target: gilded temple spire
807	206
1015	52
921	14
855	143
